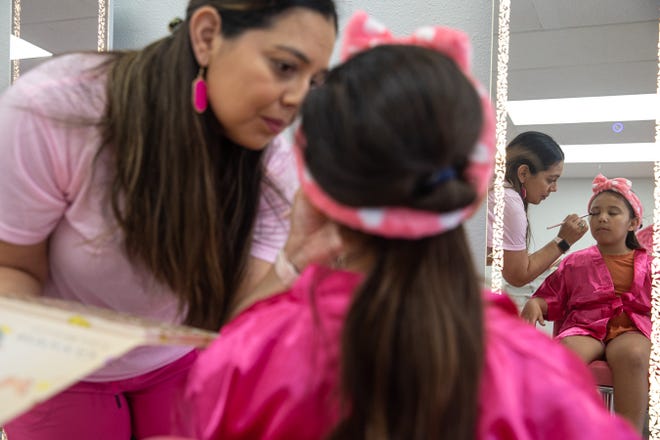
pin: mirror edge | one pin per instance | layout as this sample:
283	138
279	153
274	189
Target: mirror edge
103	36
498	225
654	361
502	88
15	31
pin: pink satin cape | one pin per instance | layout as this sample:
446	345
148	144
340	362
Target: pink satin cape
273	372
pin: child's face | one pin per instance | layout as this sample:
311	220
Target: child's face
610	220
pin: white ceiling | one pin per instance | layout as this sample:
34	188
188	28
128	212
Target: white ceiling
59	26
576	48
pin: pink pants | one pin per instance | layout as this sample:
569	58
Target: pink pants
139	407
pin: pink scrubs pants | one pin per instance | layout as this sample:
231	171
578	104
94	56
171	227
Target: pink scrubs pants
139	407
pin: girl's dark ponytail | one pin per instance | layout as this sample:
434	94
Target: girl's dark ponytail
412	345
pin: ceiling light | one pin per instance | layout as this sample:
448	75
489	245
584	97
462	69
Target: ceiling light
601	153
590	109
20	49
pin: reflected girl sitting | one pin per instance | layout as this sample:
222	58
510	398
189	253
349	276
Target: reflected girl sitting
600	297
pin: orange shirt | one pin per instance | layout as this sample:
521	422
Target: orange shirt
621	268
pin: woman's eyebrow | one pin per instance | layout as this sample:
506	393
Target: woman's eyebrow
295	52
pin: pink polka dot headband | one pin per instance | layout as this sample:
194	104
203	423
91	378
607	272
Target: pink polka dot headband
619	185
362	33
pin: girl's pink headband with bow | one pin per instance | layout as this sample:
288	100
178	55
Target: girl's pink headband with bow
362	33
619	185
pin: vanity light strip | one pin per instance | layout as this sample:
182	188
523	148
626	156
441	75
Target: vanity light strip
502	90
16	31
102	33
654	361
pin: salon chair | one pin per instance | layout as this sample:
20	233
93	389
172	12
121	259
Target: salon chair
601	373
603	377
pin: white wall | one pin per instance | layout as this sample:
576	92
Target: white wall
139	22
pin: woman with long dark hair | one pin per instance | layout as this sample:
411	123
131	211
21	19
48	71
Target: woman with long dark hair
151	182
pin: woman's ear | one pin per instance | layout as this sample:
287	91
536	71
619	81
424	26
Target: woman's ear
523	173
204	26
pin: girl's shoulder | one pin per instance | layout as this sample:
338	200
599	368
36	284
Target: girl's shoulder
272	368
319	295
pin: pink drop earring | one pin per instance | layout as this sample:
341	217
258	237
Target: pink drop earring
523	192
199	97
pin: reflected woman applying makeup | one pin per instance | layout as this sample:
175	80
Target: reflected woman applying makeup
534	164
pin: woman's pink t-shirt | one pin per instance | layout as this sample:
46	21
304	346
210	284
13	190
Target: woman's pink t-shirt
514	218
48	191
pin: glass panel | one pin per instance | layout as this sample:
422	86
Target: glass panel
549	49
57	27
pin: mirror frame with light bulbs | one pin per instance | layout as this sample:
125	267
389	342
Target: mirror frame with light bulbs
501	96
103	35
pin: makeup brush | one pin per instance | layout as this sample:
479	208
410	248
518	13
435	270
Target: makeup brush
559	224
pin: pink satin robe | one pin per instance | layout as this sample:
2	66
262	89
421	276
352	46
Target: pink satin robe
581	299
273	373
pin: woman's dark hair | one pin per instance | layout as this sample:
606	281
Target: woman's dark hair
536	150
631	236
184	195
383	124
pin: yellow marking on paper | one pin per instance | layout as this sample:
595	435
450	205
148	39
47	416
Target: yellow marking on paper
79	321
43	386
5	329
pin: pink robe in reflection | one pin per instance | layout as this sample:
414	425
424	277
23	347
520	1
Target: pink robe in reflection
581	299
273	373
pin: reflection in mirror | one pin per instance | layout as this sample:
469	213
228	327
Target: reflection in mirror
42	28
557	49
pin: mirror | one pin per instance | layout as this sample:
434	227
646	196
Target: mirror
42	28
552	49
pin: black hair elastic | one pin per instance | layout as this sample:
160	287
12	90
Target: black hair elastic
174	24
441	176
436	178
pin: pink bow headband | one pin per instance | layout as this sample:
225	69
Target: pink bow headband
619	185
362	33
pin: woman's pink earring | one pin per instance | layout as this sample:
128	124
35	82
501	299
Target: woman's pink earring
199	97
523	192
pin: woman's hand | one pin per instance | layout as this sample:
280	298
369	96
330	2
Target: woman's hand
573	228
23	268
313	237
532	312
